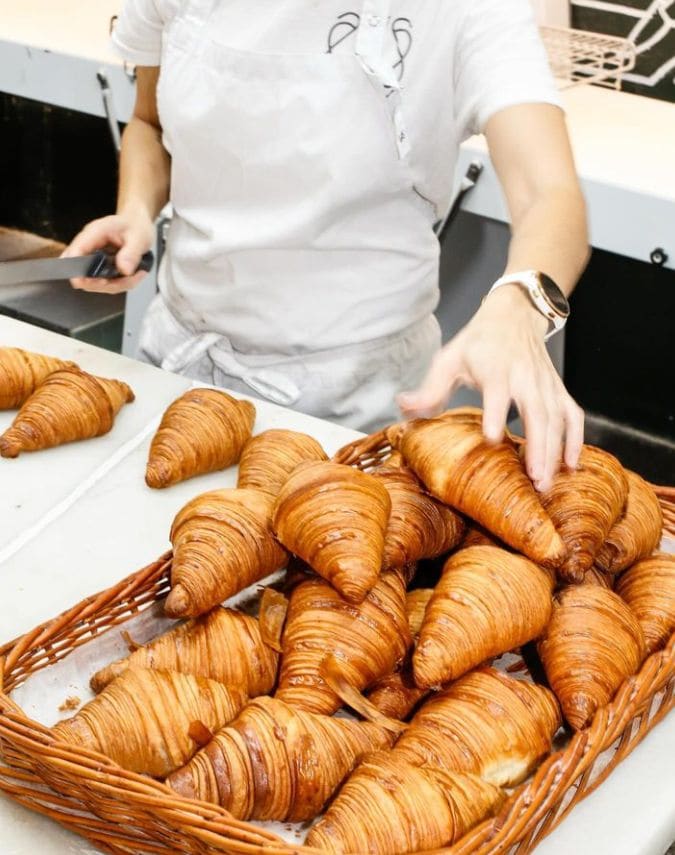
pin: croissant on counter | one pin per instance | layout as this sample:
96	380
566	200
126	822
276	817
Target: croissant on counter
419	526
68	405
367	640
275	762
202	431
592	644
649	589
483	480
223	645
21	372
269	458
637	532
151	722
396	695
222	543
486	723
487	602
391	807
584	504
334	517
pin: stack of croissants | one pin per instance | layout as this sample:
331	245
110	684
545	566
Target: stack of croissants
239	710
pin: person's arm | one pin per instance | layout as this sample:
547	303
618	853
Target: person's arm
501	350
143	191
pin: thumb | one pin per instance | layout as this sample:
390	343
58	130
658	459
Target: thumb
432	395
129	255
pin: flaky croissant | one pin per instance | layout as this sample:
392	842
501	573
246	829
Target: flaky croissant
584	504
637	532
486	723
202	431
223	645
484	480
396	694
222	543
649	589
275	762
69	405
146	720
391	807
21	372
334	517
419	526
592	643
269	458
487	602
367	640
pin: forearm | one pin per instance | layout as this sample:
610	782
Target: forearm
550	235
145	168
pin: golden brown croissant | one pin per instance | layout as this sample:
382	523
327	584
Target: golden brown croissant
596	576
202	431
334	517
592	644
269	458
275	762
419	526
486	723
223	645
21	372
396	694
222	543
145	720
477	536
390	807
637	533
69	405
584	504
649	589
368	640
486	481
487	602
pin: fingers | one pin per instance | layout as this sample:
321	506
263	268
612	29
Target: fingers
574	433
496	402
94	236
431	397
129	256
108	286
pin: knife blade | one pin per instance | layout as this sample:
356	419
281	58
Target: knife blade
99	265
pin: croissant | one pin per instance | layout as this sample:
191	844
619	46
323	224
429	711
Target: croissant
275	762
390	807
202	431
69	405
487	602
270	457
419	526
223	645
584	504
477	536
486	723
592	644
222	542
150	721
396	694
596	576
21	372
484	480
334	517
649	589
637	533
368	640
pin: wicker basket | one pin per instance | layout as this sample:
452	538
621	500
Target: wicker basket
122	813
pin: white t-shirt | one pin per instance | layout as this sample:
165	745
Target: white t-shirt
459	61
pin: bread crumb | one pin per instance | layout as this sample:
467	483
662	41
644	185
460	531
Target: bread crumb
71	703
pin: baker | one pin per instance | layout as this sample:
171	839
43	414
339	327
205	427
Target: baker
307	149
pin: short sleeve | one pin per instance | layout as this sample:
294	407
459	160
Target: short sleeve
499	61
137	35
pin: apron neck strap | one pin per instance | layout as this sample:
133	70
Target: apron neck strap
370	41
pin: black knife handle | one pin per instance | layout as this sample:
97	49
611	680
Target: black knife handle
103	265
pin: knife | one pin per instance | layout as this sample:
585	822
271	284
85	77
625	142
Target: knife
99	265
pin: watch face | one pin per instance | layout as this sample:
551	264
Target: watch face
554	296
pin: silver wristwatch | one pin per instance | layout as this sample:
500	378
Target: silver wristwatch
544	294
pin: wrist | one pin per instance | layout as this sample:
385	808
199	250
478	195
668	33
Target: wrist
512	303
135	211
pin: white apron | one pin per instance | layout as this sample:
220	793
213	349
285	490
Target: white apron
301	265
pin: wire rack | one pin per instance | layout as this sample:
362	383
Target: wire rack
577	56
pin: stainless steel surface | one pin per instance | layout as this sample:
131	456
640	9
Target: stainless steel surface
44	269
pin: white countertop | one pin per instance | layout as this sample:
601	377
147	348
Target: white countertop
64	543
